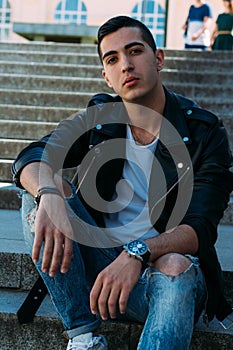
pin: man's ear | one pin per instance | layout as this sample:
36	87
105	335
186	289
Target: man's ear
106	79
159	59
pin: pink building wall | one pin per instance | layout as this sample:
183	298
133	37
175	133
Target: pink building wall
42	11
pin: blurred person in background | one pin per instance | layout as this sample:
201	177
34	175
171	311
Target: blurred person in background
196	26
221	38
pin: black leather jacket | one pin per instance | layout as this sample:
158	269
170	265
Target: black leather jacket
205	169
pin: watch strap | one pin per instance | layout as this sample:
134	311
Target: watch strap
144	258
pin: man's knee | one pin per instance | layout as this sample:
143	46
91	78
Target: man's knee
172	264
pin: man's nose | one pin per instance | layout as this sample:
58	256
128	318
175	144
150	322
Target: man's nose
127	64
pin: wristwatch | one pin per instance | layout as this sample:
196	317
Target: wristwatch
140	250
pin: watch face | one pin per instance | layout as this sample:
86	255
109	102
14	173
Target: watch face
137	247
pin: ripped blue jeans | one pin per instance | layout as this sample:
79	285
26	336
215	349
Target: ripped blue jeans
167	306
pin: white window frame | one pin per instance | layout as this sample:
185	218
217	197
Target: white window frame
63	13
4	25
144	17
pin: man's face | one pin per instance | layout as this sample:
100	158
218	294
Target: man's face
130	65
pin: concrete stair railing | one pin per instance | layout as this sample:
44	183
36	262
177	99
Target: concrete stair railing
43	83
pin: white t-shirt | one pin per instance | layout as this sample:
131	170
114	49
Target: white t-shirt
133	222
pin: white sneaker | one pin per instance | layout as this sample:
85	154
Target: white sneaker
87	342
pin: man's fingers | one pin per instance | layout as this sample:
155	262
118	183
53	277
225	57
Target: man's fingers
48	253
57	253
52	227
67	255
103	302
94	295
113	286
99	296
37	247
112	302
123	299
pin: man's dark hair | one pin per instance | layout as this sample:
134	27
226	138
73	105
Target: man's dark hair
118	22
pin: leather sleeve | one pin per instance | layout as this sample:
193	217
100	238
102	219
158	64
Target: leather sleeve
213	183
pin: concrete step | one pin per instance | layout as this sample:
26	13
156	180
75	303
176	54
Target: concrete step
194	84
9	192
206	55
190	77
14	136
45	98
53	114
198	64
35	112
87	70
51	83
5	177
47	46
218	106
5	170
33	130
18	271
29	131
52	69
79	100
9	148
45	332
39	46
193	90
77	57
50	57
24	130
9	196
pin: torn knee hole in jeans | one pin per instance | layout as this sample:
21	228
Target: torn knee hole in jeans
172	278
31	219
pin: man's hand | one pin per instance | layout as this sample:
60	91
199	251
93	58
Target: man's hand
113	285
53	227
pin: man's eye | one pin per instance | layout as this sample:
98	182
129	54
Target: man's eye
136	51
111	60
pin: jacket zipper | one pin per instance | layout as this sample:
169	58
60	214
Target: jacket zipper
84	175
170	189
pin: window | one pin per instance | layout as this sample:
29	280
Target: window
153	16
71	11
5	20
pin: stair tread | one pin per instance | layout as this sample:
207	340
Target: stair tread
11	238
12	299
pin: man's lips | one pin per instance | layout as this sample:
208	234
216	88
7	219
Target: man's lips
130	81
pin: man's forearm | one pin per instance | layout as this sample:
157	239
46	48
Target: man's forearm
36	175
182	239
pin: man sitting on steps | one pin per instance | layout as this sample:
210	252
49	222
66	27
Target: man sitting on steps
132	238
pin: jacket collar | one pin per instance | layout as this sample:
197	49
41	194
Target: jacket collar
176	108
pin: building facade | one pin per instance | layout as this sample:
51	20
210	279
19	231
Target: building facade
164	17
